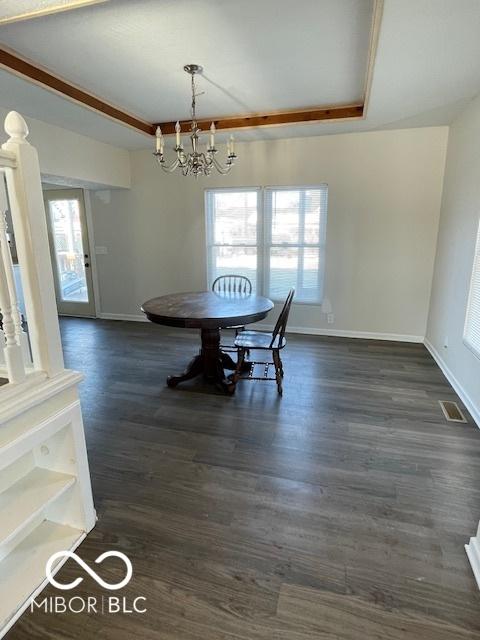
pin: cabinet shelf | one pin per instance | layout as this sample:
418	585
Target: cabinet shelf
29	559
24	500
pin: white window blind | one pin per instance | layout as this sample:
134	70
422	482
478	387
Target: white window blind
274	236
232	233
295	228
471	334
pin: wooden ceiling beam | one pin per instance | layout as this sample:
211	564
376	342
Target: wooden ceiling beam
315	114
24	68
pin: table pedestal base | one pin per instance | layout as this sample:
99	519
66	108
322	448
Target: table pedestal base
210	362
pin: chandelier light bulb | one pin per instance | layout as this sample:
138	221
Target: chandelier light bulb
177	131
159	140
212	136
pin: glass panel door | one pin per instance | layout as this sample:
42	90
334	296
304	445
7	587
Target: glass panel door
70	251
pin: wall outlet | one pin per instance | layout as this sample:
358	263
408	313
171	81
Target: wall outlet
101	251
330	318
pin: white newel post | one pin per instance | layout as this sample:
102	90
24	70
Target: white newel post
28	214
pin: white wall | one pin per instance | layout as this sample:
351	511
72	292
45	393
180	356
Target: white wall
384	203
75	159
454	261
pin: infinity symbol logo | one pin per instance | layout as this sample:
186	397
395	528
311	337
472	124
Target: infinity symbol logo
87	569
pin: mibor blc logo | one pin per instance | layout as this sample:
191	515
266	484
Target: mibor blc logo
86	568
106	604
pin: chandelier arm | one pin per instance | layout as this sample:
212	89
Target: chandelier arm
204	158
182	157
209	158
223	169
170	168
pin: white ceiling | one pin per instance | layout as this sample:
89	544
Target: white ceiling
258	55
12	10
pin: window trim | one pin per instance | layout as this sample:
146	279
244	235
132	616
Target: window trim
263	233
476	256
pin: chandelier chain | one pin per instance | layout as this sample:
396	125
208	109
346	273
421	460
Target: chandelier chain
193	99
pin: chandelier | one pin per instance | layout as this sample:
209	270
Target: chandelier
194	163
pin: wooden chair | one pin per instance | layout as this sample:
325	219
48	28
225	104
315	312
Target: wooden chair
274	342
232	285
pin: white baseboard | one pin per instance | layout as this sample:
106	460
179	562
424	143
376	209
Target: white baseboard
473	553
128	317
309	331
459	390
342	333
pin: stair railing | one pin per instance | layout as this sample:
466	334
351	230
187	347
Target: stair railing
24	199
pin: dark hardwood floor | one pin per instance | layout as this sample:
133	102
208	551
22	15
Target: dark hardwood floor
339	511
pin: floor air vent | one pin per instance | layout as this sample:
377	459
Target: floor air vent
452	411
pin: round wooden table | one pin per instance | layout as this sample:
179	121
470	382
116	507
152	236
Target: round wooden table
208	312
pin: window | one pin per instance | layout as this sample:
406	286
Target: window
295	226
232	233
471	333
274	236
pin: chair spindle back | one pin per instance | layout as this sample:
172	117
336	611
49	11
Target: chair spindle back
281	324
232	284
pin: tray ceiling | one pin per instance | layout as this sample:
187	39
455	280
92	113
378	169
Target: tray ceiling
258	56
